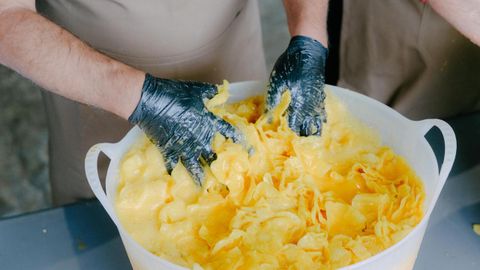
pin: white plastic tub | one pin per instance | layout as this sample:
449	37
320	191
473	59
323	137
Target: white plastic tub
406	137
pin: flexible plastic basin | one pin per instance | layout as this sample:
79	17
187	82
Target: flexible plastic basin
405	136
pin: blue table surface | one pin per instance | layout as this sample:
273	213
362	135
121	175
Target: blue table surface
82	236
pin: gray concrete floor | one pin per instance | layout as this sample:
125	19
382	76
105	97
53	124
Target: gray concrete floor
24	182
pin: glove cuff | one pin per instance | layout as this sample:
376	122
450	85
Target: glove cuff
147	88
303	42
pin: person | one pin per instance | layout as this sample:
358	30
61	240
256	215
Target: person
412	56
123	60
141	50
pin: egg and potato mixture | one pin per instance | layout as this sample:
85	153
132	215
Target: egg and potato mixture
278	202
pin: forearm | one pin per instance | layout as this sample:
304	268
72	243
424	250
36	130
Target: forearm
308	18
59	62
464	15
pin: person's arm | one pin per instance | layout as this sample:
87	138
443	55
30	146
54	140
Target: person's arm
301	68
464	15
172	113
307	18
59	62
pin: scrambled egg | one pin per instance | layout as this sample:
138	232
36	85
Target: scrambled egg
289	203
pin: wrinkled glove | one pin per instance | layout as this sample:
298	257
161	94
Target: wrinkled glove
300	70
173	115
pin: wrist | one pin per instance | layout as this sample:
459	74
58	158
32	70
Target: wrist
308	18
130	94
315	32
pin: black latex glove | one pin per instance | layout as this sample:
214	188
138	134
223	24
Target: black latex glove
301	70
172	113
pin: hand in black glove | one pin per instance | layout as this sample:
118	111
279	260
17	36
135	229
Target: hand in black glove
173	115
301	70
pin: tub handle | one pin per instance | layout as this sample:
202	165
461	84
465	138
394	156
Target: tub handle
450	145
91	170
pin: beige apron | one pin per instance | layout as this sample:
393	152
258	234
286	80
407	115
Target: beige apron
207	40
405	55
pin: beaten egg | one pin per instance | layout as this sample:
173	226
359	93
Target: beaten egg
279	201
